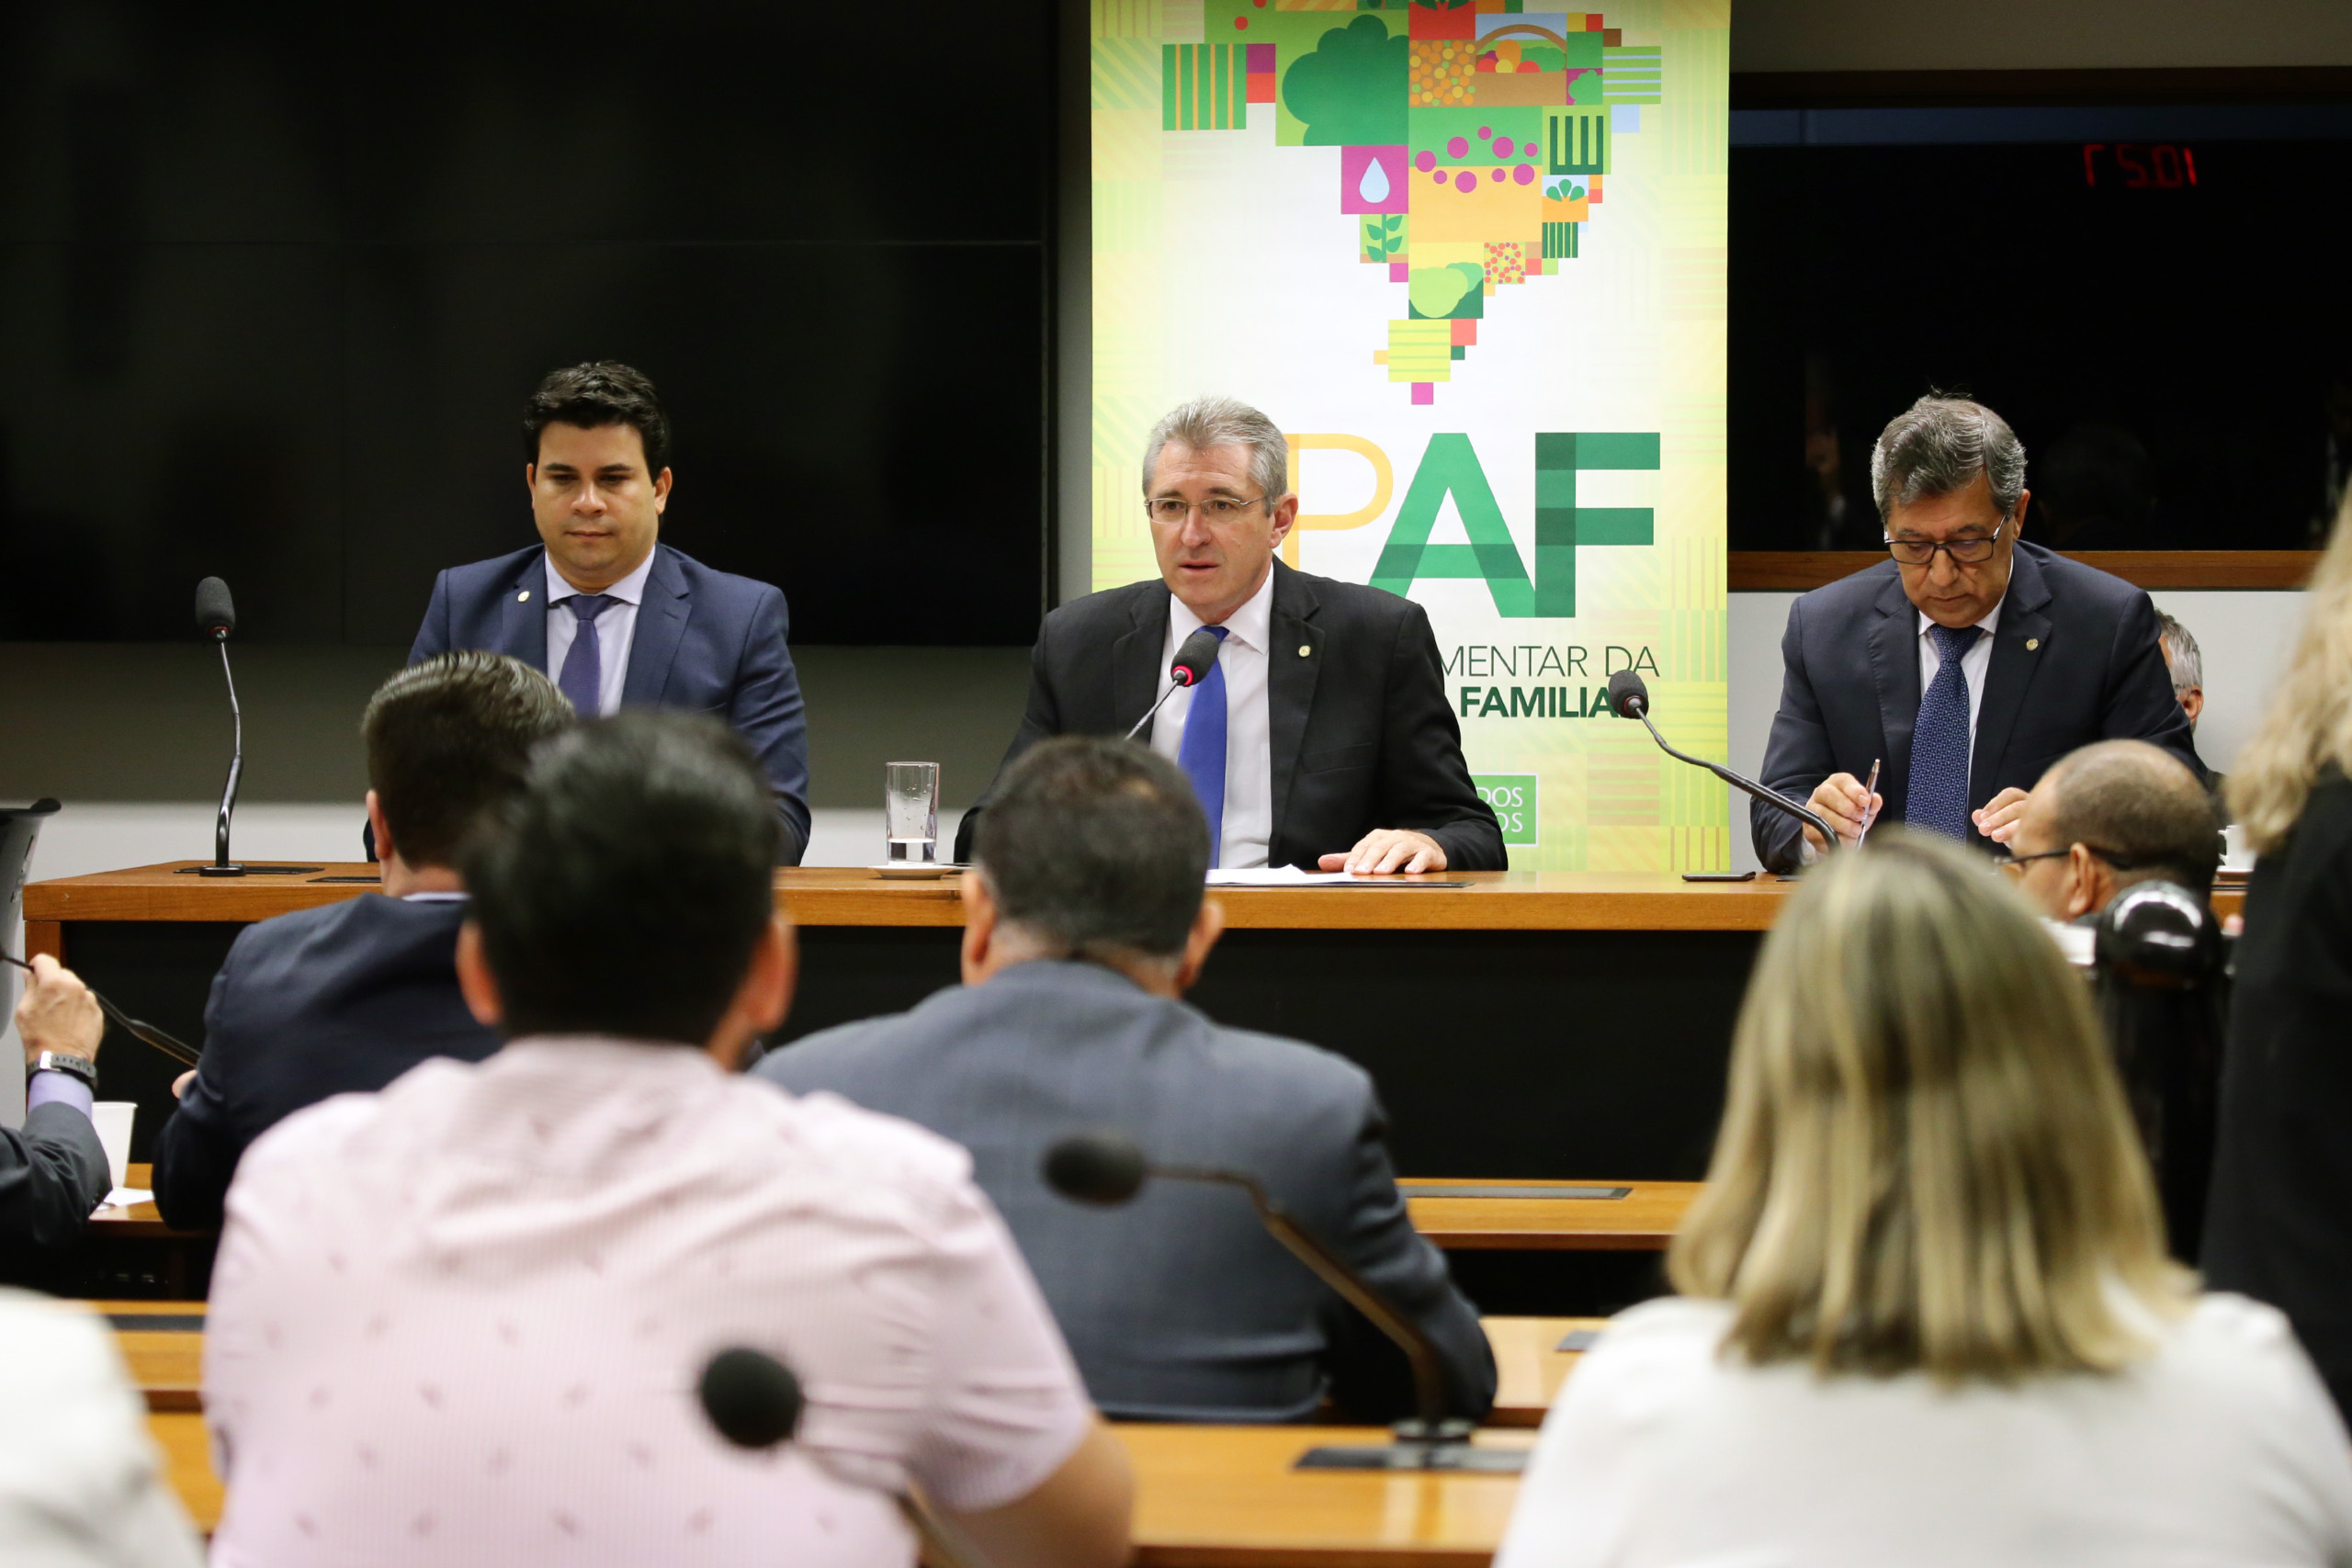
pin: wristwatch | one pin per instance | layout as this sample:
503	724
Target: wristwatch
81	1067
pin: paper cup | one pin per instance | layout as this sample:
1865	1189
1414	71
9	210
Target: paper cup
113	1118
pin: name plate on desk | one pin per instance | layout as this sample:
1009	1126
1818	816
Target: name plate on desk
1497	1189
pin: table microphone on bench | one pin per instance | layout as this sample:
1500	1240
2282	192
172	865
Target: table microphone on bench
1190	666
1108	1170
216	618
1629	698
754	1400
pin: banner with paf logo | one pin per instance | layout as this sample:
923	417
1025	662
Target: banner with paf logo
1470	255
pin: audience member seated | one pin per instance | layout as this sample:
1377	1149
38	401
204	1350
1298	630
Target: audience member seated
463	1320
1926	1316
2278	1225
2187	665
1084	924
351	995
2110	815
81	1483
54	1172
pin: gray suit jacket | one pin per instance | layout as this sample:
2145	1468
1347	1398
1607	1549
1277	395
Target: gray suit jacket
1178	1307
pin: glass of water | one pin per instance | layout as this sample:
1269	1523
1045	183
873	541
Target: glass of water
910	811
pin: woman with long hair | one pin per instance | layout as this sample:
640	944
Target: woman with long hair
1925	1314
2279	1221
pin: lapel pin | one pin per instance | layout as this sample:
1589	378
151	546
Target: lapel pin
523	597
1305	650
2032	643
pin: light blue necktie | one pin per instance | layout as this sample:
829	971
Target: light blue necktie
1201	753
582	679
1938	798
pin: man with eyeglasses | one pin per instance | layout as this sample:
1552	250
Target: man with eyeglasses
2110	816
1321	738
1966	664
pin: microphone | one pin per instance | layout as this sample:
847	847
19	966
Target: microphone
1193	660
1629	698
1107	1168
216	618
755	1402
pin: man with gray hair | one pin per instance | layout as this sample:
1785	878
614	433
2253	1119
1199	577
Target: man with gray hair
1321	738
1962	667
1084	923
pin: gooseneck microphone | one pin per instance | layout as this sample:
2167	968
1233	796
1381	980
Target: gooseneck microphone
216	618
755	1402
1194	659
1107	1169
1629	698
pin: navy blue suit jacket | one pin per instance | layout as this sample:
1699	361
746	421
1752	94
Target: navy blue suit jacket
2076	661
706	640
339	999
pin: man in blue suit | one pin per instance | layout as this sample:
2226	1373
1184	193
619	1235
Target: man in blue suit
346	997
1963	666
613	616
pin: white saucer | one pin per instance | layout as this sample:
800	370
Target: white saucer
912	869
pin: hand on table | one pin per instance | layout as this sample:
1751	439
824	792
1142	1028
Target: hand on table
57	1012
1390	849
1998	819
1840	800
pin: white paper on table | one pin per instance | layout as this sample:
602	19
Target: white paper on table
1278	877
124	1197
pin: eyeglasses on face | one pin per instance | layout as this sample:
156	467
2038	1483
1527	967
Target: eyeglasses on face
2015	862
1969	550
1172	510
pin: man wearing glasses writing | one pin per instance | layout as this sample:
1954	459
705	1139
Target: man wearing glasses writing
1321	738
1967	663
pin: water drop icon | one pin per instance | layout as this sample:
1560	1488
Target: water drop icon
1373	186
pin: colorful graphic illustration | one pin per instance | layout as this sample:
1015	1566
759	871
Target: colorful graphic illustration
1470	254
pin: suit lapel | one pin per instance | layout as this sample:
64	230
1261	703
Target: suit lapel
522	613
1135	673
1292	665
1895	669
660	622
2009	673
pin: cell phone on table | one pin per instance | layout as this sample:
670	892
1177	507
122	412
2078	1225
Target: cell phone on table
1718	876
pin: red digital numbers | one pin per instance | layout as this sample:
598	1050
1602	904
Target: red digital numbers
2142	165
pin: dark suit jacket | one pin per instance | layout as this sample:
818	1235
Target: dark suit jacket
339	999
2074	660
2278	1223
706	640
1177	1305
52	1175
1362	734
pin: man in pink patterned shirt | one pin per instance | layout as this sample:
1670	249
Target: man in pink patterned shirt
463	1320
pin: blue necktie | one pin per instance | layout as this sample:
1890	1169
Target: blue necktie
582	679
1938	798
1201	753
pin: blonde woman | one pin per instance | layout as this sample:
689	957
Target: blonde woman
2278	1222
1926	1315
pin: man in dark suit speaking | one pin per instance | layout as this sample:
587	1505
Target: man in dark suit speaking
1965	665
610	613
1322	737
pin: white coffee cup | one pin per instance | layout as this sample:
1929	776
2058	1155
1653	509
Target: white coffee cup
2236	853
113	1119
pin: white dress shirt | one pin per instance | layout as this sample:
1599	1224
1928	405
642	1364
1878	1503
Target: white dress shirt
1973	665
615	630
81	1483
2218	1450
1248	734
462	1320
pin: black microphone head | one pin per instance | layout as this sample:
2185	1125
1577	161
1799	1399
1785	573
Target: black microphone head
216	613
1196	658
751	1397
1628	698
2159	936
1106	1169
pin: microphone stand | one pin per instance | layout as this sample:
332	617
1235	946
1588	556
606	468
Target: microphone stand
222	866
1770	797
1172	689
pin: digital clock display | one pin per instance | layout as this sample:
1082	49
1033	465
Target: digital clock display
2139	166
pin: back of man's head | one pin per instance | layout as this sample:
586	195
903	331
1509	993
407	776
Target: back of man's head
449	738
2140	808
624	890
1098	848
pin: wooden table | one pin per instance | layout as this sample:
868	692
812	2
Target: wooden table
1530	1365
1644	1220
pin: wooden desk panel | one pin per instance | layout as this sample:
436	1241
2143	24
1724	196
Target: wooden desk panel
1529	1366
188	1460
1643	1221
